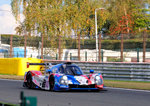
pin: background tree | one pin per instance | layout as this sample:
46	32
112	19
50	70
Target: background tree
124	18
55	19
45	17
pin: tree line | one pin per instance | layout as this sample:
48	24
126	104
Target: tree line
55	19
60	17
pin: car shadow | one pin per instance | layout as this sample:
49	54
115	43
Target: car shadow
83	91
70	91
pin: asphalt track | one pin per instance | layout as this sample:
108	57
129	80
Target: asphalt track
10	92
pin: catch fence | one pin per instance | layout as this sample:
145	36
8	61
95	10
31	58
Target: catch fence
68	49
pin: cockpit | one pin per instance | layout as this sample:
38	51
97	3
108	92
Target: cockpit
70	70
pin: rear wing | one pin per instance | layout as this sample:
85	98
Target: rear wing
43	67
45	64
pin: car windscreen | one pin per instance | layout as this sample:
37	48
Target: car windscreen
71	70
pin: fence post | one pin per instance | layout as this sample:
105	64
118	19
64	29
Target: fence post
17	54
25	45
42	35
85	55
70	56
59	47
121	54
11	41
137	54
56	56
79	47
144	45
99	52
102	54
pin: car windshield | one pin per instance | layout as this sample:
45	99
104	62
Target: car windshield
71	70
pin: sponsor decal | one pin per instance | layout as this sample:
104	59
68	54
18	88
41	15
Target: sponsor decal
69	82
37	80
82	80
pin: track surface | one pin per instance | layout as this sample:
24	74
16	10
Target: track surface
10	92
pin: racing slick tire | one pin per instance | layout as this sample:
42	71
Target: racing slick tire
30	84
51	83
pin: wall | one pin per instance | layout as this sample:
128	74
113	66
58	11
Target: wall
17	66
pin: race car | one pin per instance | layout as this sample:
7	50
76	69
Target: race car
63	77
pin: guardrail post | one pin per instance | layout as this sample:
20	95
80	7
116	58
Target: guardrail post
70	56
85	55
137	54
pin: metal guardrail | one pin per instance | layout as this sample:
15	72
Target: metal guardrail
115	70
119	71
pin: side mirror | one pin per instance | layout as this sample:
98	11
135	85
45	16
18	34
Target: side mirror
49	71
91	71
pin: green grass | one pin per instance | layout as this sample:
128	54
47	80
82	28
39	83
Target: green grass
8	104
141	85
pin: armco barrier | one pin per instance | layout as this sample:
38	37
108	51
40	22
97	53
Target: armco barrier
17	66
117	71
120	71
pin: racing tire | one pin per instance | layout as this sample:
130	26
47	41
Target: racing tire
52	83
29	80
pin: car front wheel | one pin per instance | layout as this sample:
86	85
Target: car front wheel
51	83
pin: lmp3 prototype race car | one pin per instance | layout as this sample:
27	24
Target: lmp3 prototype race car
63	77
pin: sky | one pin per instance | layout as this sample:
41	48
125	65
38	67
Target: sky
7	20
5	2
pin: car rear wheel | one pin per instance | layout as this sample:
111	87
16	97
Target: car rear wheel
29	80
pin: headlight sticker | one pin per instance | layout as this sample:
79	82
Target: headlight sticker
82	80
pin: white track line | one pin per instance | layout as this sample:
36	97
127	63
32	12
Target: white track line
12	80
135	90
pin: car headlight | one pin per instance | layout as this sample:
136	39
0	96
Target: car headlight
64	77
98	80
64	80
97	77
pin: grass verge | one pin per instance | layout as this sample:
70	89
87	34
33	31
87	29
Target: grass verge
14	77
128	84
7	104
